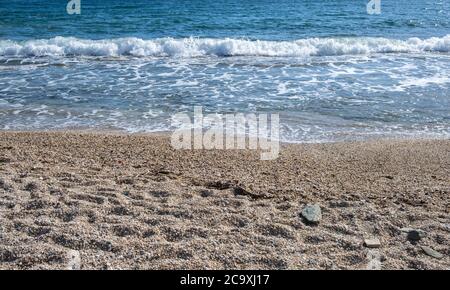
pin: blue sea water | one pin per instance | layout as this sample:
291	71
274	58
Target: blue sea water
331	70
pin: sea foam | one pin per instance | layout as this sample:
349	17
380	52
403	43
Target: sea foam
195	47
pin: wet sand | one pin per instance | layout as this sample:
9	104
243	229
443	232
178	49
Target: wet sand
119	201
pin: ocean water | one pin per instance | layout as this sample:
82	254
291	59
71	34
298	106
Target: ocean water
331	70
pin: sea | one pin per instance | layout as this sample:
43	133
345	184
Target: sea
333	70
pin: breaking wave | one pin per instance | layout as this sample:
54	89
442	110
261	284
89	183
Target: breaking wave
195	47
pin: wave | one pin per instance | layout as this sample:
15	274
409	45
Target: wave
194	47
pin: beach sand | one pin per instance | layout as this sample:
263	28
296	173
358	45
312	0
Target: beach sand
120	201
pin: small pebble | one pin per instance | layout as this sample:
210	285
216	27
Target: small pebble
372	243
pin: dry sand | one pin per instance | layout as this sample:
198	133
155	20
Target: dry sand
112	201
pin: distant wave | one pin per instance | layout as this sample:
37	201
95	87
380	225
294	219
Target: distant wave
194	47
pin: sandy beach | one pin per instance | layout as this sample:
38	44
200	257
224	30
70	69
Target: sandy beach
119	201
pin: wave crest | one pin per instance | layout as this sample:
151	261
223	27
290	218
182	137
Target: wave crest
194	47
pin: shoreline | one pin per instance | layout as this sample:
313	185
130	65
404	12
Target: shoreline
124	201
166	133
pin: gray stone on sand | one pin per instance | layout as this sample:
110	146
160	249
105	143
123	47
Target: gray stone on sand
312	213
432	253
372	243
414	234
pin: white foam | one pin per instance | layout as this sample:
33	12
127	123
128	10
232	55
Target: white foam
194	47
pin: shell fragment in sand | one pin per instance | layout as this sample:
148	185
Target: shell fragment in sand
432	253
